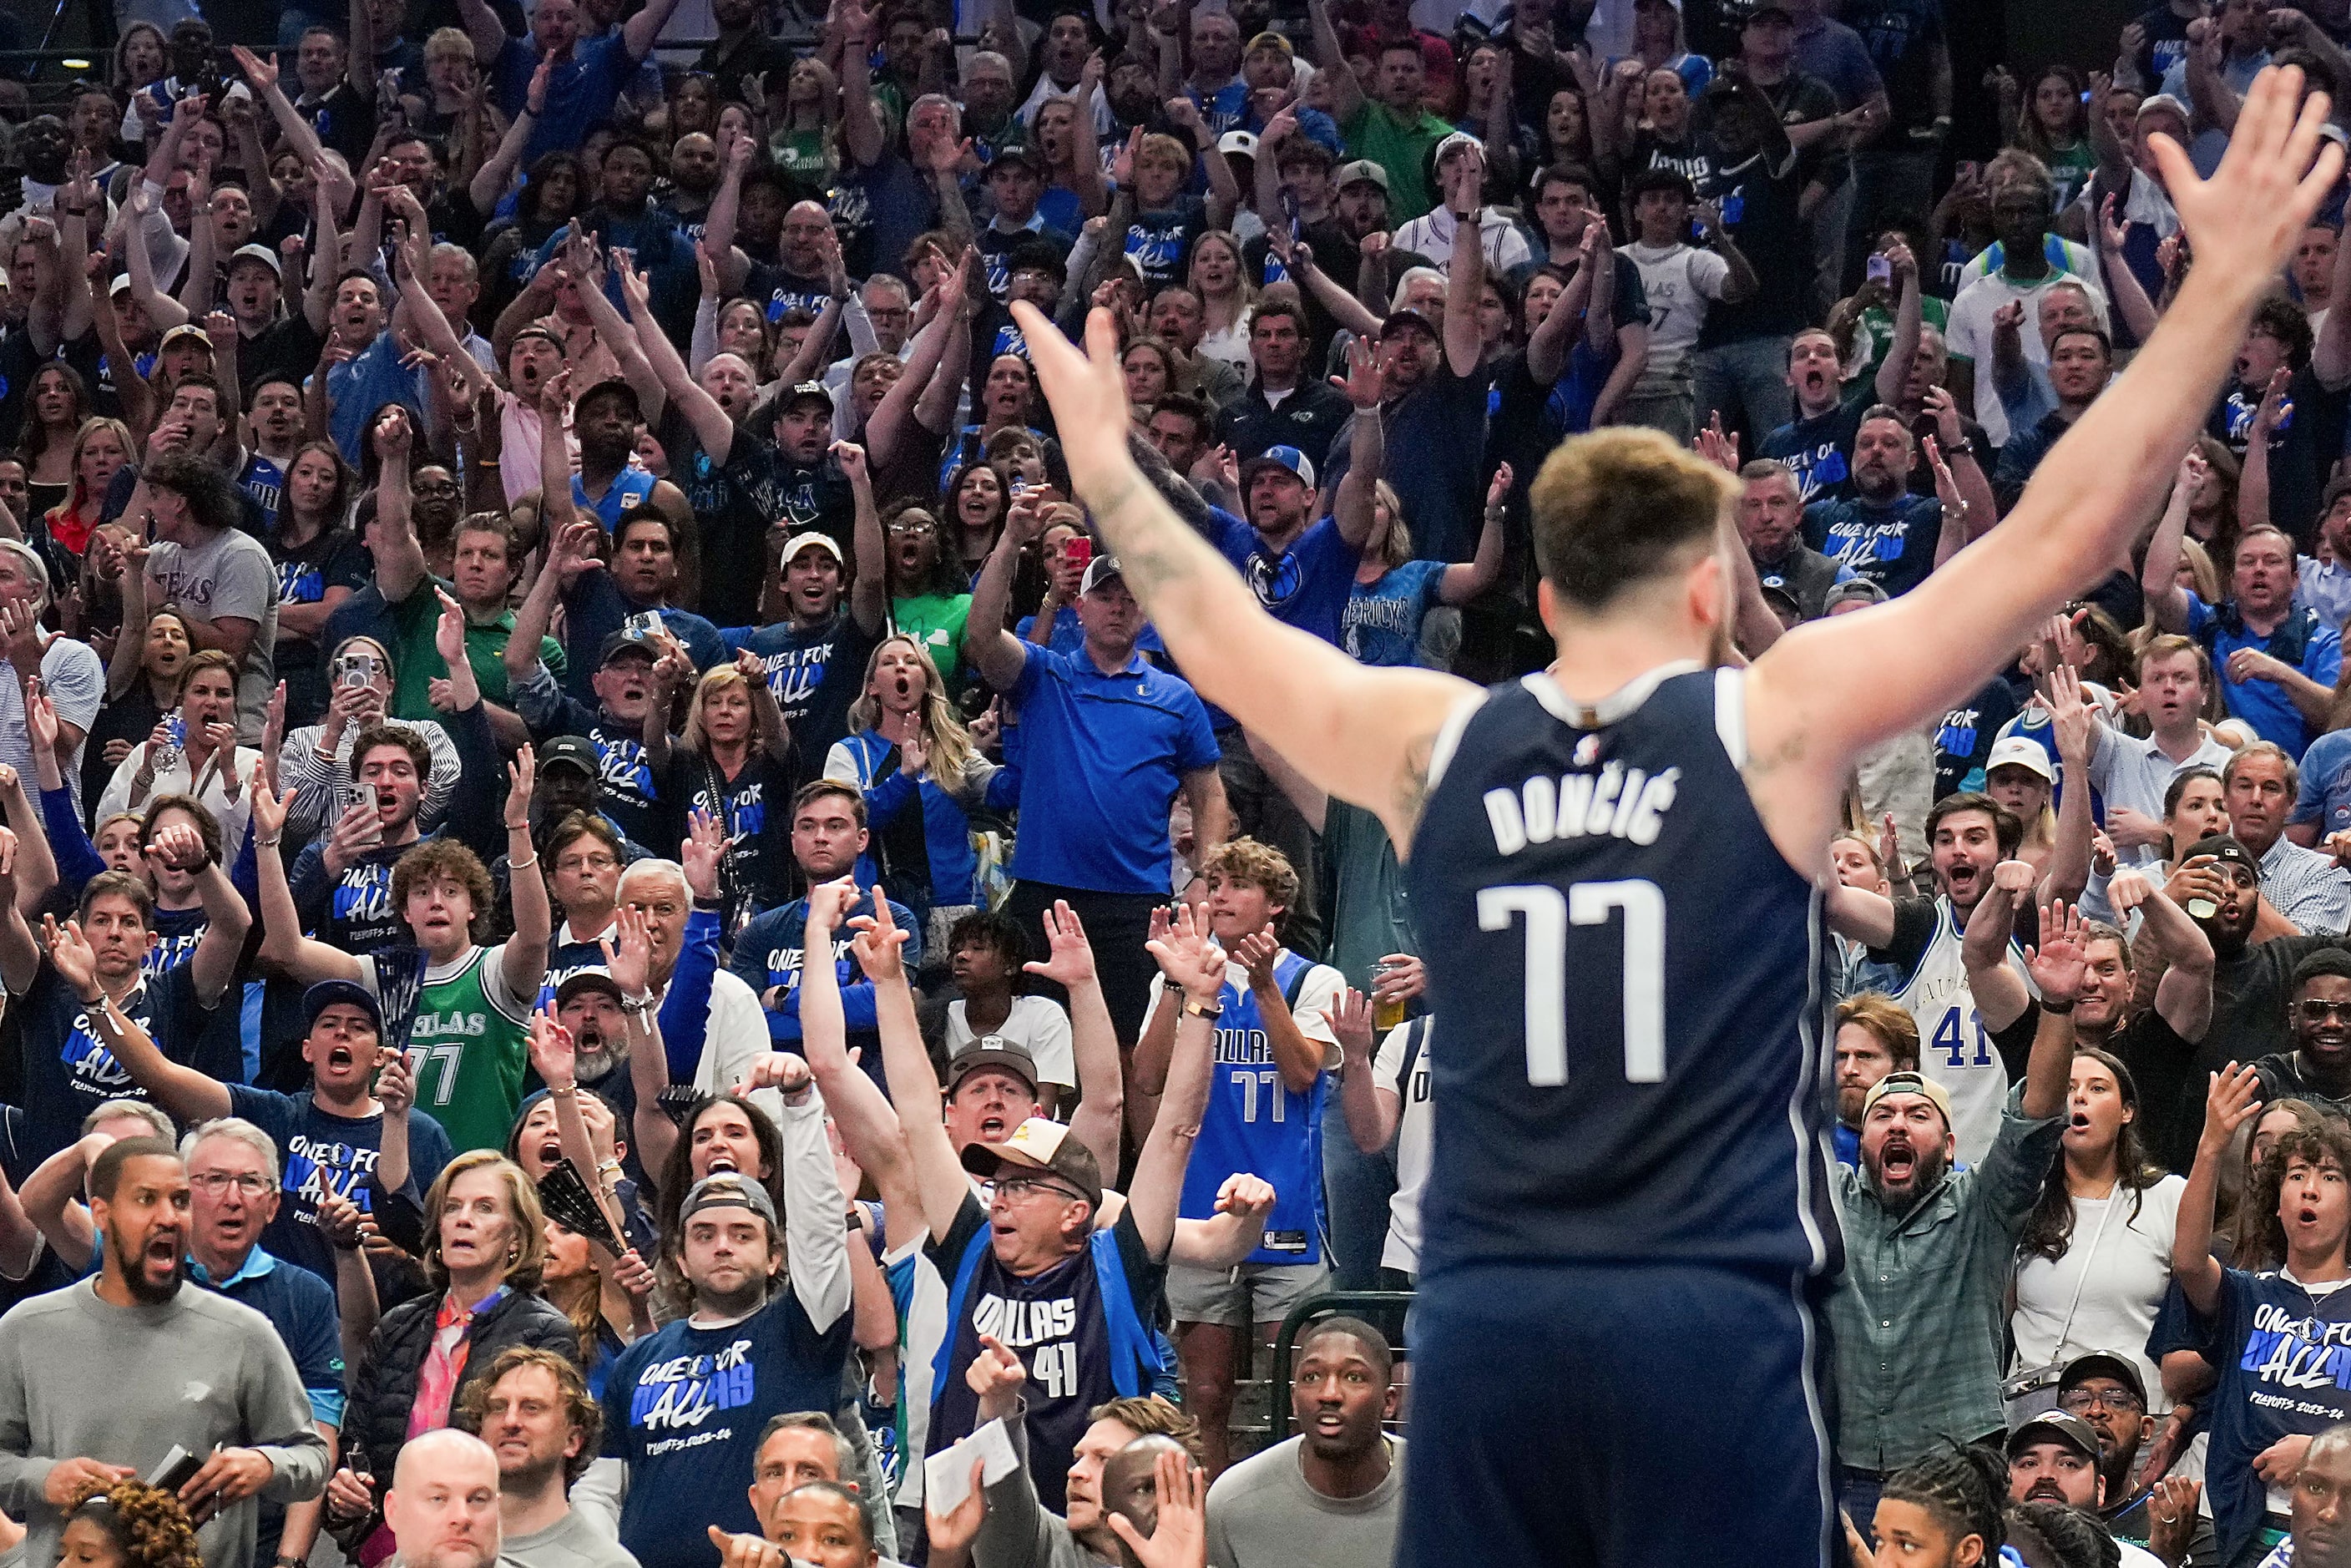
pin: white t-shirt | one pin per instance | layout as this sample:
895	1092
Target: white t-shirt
1968	334
1403	1248
1037	1022
1679	279
75	679
2111	1281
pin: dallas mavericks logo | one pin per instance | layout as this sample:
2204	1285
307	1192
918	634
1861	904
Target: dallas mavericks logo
1275	581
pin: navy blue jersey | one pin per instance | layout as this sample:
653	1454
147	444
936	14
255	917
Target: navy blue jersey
1632	1063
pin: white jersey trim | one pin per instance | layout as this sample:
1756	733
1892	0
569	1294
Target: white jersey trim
1730	714
1620	703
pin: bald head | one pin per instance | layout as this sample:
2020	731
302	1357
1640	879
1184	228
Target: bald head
444	1503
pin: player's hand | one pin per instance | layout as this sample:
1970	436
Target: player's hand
2246	219
1087	389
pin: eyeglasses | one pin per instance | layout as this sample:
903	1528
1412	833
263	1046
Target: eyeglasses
2313	1010
1017	1187
248	1183
909	526
2082	1401
586	863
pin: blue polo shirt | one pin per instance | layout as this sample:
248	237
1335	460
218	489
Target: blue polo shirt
580	91
1102	757
2301	639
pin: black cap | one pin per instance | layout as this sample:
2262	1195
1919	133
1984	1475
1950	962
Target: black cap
805	392
575	749
2060	1426
625	639
993	1050
1039	255
2223	847
1769	12
586	980
2105	1363
1016	154
329	993
613	386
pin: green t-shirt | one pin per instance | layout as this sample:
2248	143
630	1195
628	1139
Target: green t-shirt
935	620
416	663
471	1043
1401	147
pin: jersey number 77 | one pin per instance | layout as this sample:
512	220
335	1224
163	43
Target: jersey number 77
1549	912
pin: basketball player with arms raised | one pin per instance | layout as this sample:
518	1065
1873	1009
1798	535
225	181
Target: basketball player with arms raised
1616	864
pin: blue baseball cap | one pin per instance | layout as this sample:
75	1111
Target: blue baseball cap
1287	457
329	993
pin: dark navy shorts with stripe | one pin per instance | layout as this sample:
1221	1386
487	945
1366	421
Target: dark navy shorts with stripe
1619	1415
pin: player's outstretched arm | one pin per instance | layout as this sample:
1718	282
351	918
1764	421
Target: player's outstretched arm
1361	733
1931	648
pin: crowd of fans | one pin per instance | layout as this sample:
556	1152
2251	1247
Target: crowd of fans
513	534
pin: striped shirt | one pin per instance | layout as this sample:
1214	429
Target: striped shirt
2306	887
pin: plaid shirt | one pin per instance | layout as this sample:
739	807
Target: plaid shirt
2306	887
1918	1316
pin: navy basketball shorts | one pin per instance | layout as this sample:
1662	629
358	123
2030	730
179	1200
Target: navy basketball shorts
1619	1415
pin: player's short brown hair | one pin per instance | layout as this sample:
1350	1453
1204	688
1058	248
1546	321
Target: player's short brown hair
1616	506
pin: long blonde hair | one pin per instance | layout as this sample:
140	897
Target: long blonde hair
1243	292
943	727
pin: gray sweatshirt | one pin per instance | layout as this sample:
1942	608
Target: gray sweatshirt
1019	1533
83	1379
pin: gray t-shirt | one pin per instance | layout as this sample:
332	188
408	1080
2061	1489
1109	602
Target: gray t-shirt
230	574
75	679
80	1377
570	1542
1262	1514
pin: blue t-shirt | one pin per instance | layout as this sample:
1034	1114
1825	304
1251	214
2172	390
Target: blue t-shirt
1307	585
1102	757
595	609
2284	1358
68	1070
684	1406
2325	796
360	386
1381	623
2301	639
1891	545
580	91
321	1153
770	953
1256	1122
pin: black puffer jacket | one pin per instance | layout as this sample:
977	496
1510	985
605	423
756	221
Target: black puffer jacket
383	1390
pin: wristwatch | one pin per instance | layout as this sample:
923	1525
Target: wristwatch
1199	1010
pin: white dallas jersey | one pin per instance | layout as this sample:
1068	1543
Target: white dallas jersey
1955	1049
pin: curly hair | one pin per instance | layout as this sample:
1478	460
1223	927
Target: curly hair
2049	1229
203	483
1253	864
579	1409
147	1524
392	734
2322	1138
439	859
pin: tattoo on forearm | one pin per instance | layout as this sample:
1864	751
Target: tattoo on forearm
1151	541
